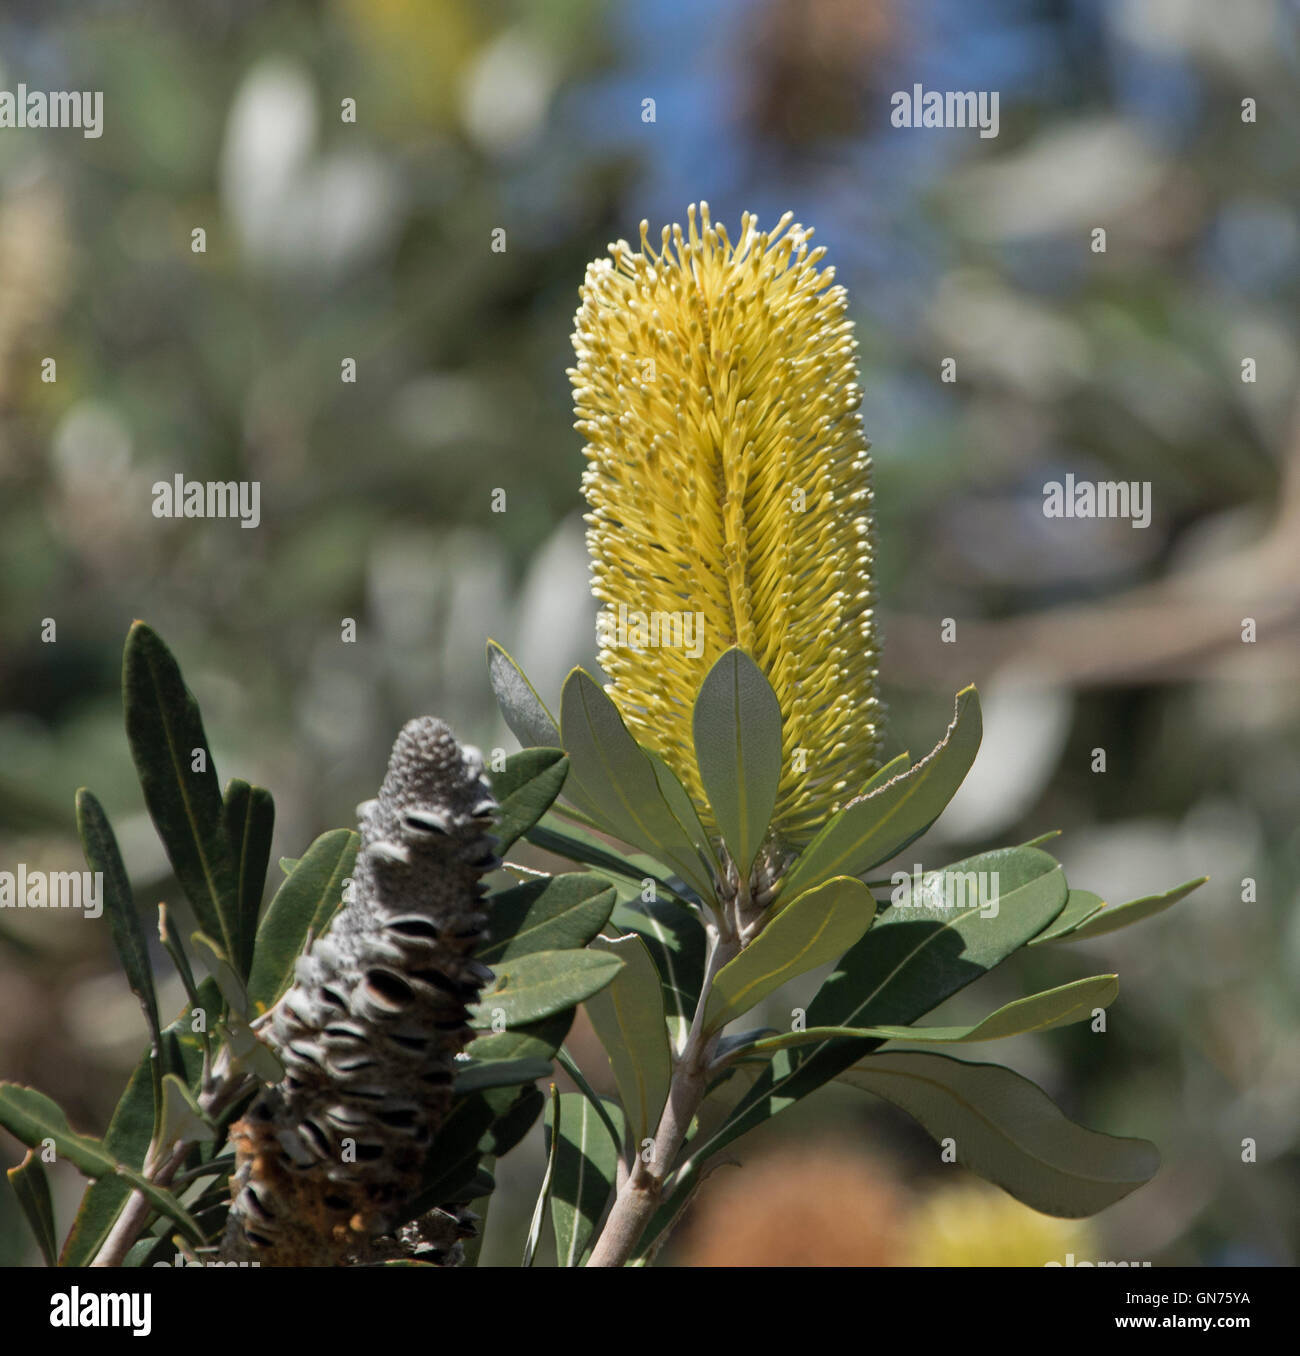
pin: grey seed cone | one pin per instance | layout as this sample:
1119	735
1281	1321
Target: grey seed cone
371	1027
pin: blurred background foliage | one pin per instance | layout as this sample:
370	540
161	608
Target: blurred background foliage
328	240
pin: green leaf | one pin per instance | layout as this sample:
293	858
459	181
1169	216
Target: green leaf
495	1117
579	845
128	1136
32	1188
186	1045
531	987
675	939
499	1073
249	815
614	775
1010	1132
176	950
728	1090
559	913
288	865
536	1040
490	1122
218	963
453	1158
877	826
1076	1002
907	964
1108	919
181	1118
32	1117
737	725
102	855
744	1042
894	768
684	812
525	790
166	735
586	1167
513	1121
485	1182
570	1067
148	1250
816	928
629	1019
308	898
1042	838
544	1195
524	711
247	1053
1079	904
479	1204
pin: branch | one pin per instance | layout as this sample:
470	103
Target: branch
161	1165
639	1194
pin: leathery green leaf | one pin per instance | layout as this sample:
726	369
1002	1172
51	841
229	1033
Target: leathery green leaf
878	825
586	1167
556	913
311	892
674	937
980	910
816	928
1076	1002
629	1019
525	789
1079	904
528	988
100	846
179	782
618	780
1009	1131
32	1188
524	711
32	1118
1111	919
737	727
249	816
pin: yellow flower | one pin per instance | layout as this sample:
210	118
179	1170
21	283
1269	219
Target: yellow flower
729	487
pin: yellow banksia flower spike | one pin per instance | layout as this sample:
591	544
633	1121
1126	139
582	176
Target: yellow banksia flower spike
730	496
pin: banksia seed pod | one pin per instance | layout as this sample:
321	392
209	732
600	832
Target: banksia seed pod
369	1031
729	486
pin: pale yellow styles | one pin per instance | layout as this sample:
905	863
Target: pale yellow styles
728	478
